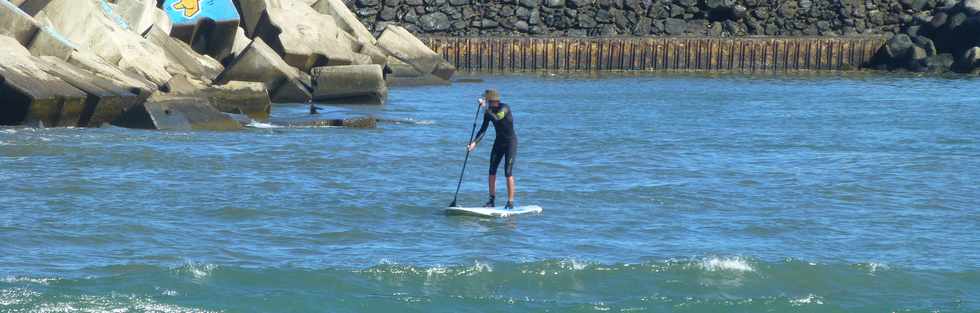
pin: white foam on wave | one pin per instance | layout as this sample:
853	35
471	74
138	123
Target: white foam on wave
573	264
809	299
256	124
39	281
15	296
735	264
8	131
874	267
113	303
477	267
421	122
198	271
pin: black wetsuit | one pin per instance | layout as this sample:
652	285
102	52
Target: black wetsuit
505	145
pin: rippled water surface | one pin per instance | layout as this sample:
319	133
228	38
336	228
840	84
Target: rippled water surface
661	194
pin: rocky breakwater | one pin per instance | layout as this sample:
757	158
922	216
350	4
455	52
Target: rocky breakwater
192	64
576	18
945	39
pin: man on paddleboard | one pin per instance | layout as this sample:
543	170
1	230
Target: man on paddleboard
504	145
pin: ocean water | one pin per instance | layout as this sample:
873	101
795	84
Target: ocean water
676	193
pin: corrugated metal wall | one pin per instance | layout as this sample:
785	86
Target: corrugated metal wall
745	54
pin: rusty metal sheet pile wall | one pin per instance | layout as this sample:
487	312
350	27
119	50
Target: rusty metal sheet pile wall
745	54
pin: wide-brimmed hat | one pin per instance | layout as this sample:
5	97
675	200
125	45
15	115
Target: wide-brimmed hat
491	95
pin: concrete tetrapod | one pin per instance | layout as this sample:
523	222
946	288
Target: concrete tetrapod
208	26
87	24
404	46
139	14
306	39
31	96
167	112
249	98
345	19
198	66
17	24
106	99
48	42
259	63
350	84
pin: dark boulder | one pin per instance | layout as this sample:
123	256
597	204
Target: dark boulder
968	61
437	21
675	26
938	63
914	5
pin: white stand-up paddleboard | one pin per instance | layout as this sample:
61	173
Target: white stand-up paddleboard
494	212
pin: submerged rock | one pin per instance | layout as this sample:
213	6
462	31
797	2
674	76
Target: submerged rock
356	122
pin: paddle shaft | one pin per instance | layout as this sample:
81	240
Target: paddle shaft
467	158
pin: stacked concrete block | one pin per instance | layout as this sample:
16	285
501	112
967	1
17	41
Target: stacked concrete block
208	26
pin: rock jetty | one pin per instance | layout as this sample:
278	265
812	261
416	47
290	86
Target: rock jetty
944	39
192	64
580	18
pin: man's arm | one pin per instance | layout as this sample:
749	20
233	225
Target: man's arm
483	129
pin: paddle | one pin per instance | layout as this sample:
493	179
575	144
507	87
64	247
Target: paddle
472	132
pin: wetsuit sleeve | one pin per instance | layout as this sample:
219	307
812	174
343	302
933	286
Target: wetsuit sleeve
483	129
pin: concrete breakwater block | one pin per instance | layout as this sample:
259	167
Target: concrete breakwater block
138	14
166	112
252	12
31	96
198	66
208	26
94	28
404	46
105	99
345	19
102	69
17	24
377	55
259	63
31	7
241	42
305	38
248	98
350	84
403	74
48	42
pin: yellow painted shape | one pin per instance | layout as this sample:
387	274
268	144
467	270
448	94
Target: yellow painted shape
190	7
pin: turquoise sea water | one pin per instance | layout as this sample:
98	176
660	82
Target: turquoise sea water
661	194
